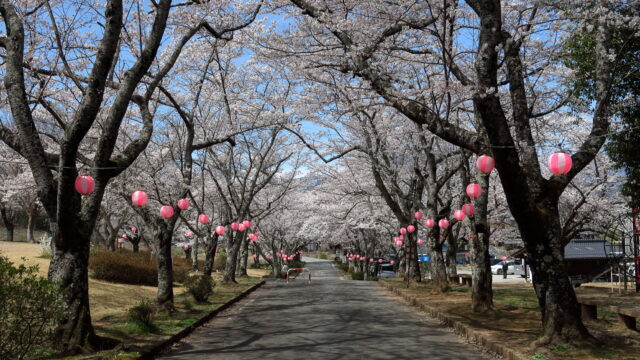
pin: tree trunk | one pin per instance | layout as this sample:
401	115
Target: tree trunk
8	222
164	297
232	259
452	251
194	255
438	270
482	288
561	319
69	267
210	254
31	224
136	245
245	258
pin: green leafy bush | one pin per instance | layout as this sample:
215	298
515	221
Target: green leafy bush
323	256
30	308
132	268
200	287
142	315
357	275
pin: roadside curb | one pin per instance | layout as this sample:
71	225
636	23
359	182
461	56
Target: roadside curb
459	328
155	350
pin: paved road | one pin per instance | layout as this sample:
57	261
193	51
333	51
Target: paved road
327	319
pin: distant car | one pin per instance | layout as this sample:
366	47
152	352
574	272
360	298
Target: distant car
386	271
495	261
497	268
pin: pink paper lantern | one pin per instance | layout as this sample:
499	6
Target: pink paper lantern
251	237
247	224
134	229
371	260
429	223
268	257
380	261
485	164
411	228
362	258
474	191
234	226
166	211
254	256
418	215
282	251
459	215
392	262
403	231
420	241
85	184
278	254
139	198
443	224
186	246
560	163
468	209
203	218
124	236
504	258
401	237
399	243
241	227
183	204
467	254
220	230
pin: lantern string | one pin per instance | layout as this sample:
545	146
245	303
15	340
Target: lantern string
538	146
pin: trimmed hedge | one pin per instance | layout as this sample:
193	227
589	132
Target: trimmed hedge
133	268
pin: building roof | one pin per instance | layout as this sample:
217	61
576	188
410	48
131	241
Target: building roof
584	249
590	249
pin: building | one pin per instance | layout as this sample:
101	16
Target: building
587	259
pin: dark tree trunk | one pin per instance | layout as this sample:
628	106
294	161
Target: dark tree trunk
194	255
438	269
136	245
69	267
164	297
7	219
233	250
452	251
210	254
31	224
245	258
559	307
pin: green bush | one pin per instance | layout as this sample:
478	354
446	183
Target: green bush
220	261
133	268
30	308
324	256
200	287
142	315
357	275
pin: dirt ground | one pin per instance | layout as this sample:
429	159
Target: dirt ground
106	298
516	322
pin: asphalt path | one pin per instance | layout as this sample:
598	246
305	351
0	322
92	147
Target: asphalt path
330	318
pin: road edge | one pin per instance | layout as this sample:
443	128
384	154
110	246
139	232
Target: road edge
459	328
155	350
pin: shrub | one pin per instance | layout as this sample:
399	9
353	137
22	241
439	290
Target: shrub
142	314
132	268
357	275
200	287
220	261
324	256
30	308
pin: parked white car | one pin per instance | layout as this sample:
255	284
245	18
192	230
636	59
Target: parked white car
497	268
